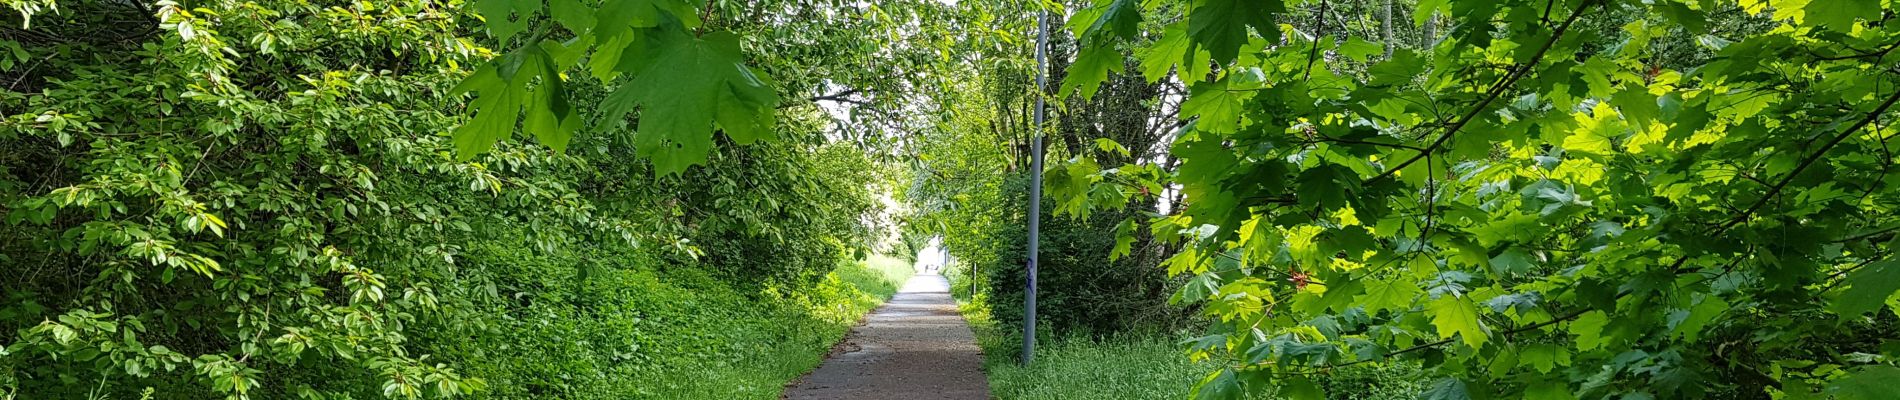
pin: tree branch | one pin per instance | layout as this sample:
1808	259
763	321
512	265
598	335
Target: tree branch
1492	95
844	96
1441	342
1808	161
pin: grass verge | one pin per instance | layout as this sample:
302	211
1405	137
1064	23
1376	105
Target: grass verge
760	361
1138	366
1128	367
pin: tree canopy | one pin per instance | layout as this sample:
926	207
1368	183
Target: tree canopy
1552	199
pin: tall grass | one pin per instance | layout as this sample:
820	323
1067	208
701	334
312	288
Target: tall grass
758	363
878	275
1136	367
1144	367
1128	367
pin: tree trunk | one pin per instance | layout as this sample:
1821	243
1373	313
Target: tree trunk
1385	16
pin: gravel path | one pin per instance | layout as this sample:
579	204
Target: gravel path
915	347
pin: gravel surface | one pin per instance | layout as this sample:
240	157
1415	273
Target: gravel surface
914	347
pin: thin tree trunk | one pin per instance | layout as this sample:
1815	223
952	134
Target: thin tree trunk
1385	15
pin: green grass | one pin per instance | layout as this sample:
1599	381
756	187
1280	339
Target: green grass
1137	366
1130	367
759	362
1124	368
878	275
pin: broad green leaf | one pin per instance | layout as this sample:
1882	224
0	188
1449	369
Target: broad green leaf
1301	389
1637	106
572	14
1454	315
500	94
1428	7
505	18
1394	294
1695	21
1215	105
1358	49
1124	239
1091	68
1220	26
1551	390
1544	357
1839	15
1872	382
1596	131
1589	329
1174	48
550	118
1688	324
1447	389
1219	385
1117	19
692	82
1867	288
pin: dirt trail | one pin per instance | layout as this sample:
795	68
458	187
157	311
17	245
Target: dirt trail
915	347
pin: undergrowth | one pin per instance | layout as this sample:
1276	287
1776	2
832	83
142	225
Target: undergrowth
679	333
766	348
1140	366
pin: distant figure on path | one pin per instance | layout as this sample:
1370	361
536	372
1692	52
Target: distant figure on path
933	257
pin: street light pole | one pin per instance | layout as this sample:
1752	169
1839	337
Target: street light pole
1035	190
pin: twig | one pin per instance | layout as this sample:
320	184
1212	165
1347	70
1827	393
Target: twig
1319	24
1495	91
1808	161
1441	342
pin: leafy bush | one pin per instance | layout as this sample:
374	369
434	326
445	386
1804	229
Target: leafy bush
1147	366
261	199
1082	291
1557	199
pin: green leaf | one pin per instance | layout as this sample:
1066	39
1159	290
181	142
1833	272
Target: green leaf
1867	288
1839	15
1119	19
1688	324
1124	239
1300	388
1428	7
692	83
1596	131
621	14
1090	69
1543	357
573	15
1394	294
1173	48
1325	187
549	117
497	103
1691	19
1220	26
1219	385
505	18
1589	329
1447	389
1513	261
1550	390
1637	105
1874	382
1454	315
1216	107
1358	49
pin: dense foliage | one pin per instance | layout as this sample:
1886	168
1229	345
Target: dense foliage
1515	198
969	185
1550	199
267	199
